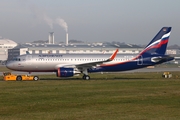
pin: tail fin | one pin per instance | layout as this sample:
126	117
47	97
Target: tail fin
159	43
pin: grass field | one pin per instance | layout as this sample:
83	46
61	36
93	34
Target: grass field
124	96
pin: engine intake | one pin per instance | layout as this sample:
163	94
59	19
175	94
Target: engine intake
65	72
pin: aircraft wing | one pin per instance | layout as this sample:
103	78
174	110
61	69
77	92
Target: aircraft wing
91	64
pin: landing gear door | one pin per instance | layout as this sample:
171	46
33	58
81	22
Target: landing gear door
140	60
28	59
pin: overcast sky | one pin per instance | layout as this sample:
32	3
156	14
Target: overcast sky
130	21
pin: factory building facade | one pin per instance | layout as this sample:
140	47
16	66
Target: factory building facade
72	49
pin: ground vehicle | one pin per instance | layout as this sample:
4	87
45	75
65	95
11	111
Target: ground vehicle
167	75
9	76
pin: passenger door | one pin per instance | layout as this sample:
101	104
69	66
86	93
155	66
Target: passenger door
28	59
140	60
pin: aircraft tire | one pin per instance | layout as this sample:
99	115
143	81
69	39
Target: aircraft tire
18	78
36	78
86	77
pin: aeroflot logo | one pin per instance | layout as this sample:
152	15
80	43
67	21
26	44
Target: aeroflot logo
50	55
164	29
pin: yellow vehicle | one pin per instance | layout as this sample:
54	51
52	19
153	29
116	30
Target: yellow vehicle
9	76
167	75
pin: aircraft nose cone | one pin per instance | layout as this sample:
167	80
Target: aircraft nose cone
9	65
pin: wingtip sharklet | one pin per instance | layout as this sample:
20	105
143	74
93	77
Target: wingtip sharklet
113	55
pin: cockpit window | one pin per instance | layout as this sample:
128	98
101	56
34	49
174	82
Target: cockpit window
16	59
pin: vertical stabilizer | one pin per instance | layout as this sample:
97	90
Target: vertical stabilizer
159	43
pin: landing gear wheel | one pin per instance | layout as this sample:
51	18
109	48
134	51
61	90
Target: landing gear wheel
86	77
36	78
19	78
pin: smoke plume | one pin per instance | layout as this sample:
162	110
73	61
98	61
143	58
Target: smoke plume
62	23
38	13
48	20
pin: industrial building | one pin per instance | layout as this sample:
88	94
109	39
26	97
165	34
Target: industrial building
5	45
73	49
10	49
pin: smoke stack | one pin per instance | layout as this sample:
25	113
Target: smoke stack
51	37
66	38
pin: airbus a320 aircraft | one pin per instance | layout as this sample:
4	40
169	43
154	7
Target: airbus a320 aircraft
67	65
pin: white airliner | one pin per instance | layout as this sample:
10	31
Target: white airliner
67	65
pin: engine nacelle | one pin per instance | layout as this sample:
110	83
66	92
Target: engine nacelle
65	72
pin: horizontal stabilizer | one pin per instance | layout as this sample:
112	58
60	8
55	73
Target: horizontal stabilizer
160	58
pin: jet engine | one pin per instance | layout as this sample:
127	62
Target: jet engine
66	72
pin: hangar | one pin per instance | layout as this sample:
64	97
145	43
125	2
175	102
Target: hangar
73	49
5	45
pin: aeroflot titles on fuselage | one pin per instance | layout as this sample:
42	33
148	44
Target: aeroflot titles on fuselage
50	55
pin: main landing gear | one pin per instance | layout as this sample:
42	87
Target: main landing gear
86	77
